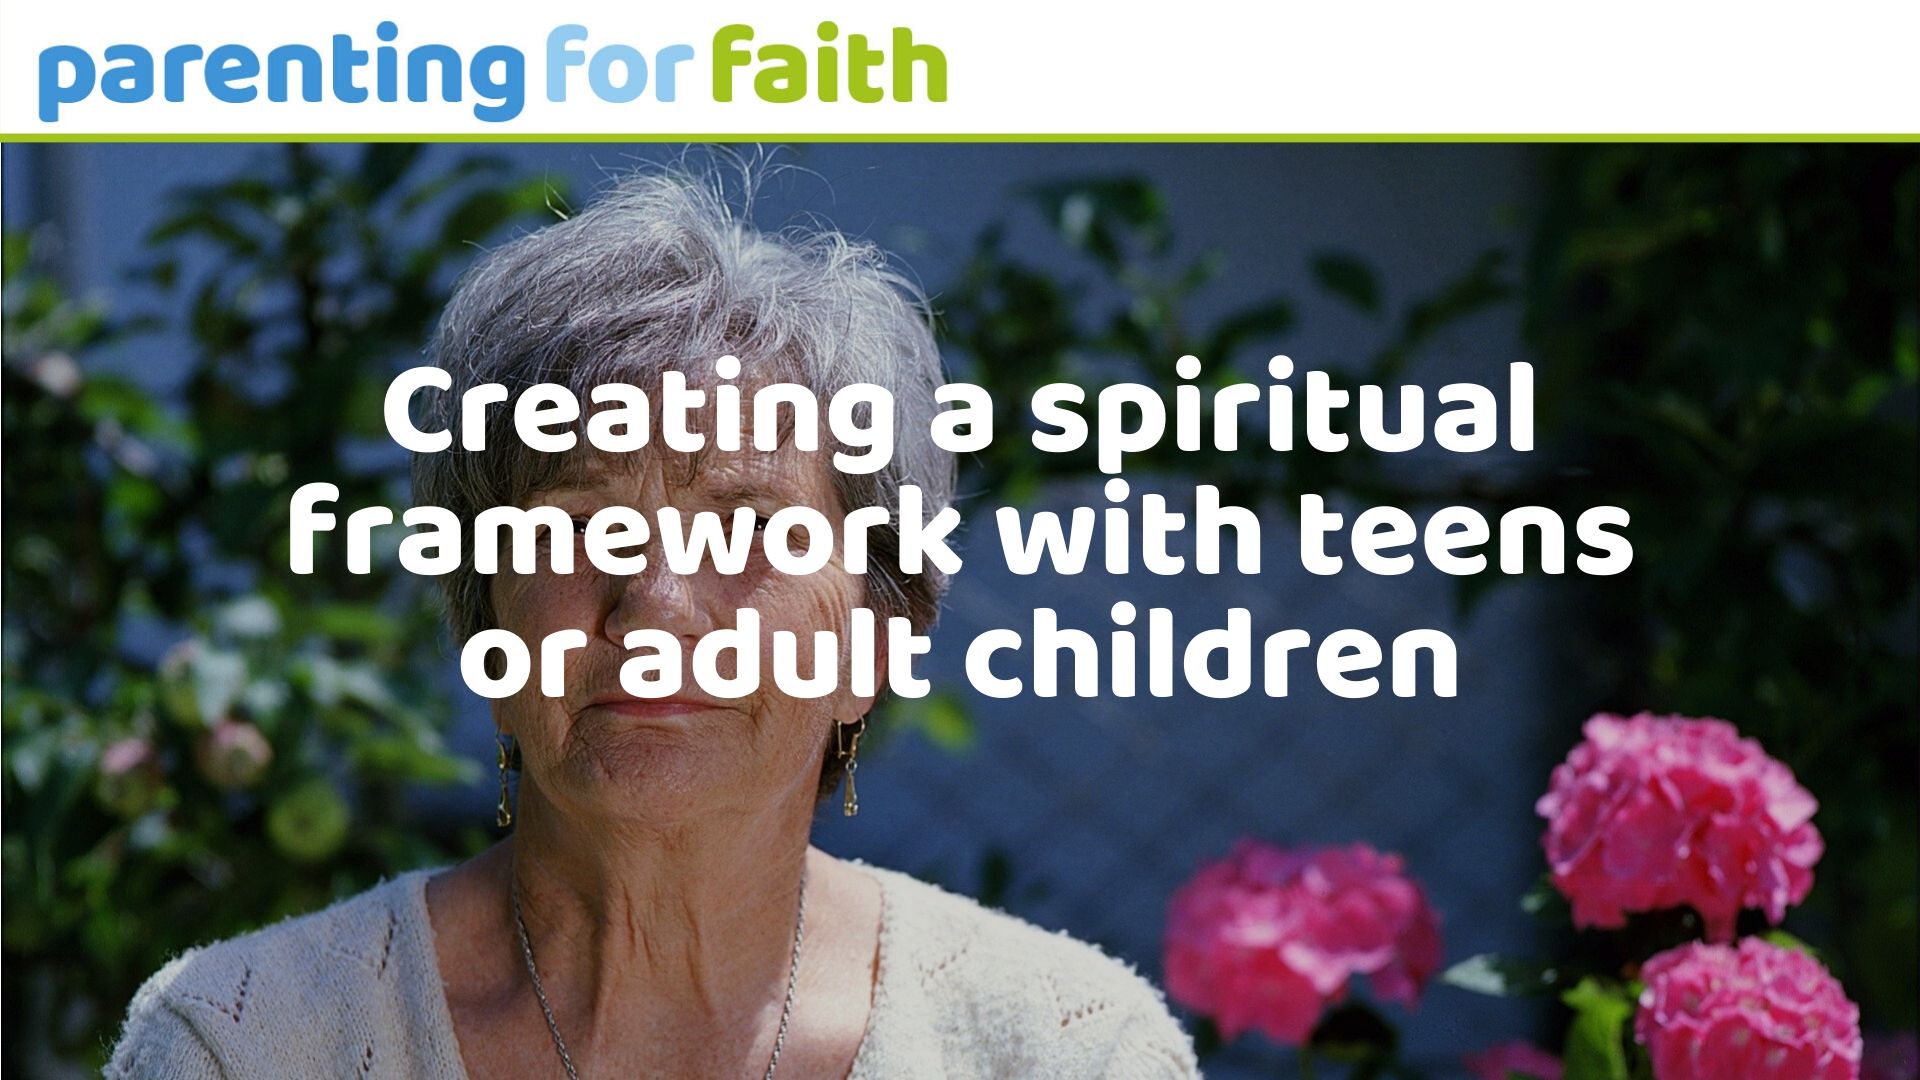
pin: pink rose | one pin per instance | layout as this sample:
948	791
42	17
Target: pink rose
1512	1059
1756	1012
1267	938
1654	812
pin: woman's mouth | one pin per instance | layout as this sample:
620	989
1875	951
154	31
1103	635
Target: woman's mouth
625	705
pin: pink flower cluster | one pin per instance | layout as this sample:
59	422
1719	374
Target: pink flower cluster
1755	1012
1653	812
1267	938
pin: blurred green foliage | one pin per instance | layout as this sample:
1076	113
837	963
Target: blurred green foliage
260	766
1726	340
1129	315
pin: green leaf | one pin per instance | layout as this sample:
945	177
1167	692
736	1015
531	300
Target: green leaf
1906	351
1544	901
1249	324
15	251
208	224
1501	976
1784	940
428	191
1349	278
1480	286
1105	217
404	757
1596	1040
943	720
110	397
479	214
362	623
132	499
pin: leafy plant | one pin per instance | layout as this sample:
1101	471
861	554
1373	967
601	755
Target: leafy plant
1727	343
199	741
1128	317
1727	348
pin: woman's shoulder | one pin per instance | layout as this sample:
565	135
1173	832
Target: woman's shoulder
310	995
1008	998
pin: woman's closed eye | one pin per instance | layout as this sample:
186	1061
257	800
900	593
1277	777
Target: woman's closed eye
544	535
628	544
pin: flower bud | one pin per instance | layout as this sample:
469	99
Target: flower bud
130	777
233	754
308	822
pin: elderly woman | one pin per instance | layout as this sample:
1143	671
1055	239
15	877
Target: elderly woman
658	909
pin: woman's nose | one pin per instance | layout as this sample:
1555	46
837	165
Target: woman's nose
656	598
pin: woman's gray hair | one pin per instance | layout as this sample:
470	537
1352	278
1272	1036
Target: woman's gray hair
661	273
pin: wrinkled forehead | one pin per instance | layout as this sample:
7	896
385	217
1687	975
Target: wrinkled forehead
711	402
786	476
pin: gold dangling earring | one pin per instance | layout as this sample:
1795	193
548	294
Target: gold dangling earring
503	814
850	749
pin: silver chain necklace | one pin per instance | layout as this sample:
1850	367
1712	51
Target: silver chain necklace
560	1044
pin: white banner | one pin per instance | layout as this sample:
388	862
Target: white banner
862	68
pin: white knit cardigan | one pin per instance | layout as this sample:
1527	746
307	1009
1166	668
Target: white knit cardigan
354	992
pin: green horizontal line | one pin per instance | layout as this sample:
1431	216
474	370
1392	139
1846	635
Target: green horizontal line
1002	137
